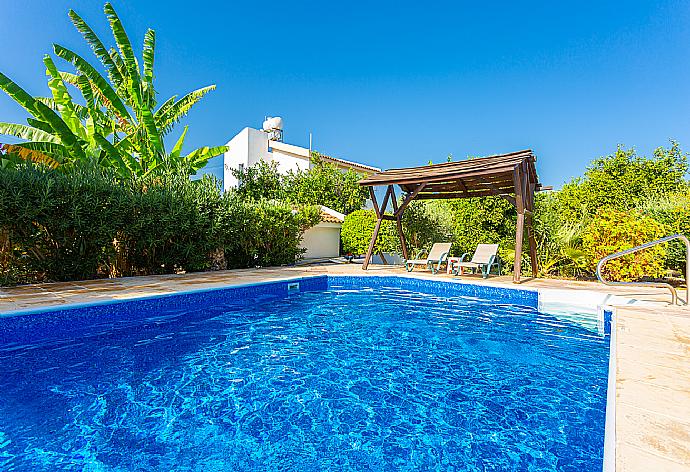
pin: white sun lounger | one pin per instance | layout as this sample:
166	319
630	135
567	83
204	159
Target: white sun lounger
484	258
437	256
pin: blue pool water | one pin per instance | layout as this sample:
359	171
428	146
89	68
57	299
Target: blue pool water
351	377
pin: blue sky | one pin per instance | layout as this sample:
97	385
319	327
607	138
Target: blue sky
394	84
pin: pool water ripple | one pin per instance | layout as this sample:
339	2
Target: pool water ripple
335	380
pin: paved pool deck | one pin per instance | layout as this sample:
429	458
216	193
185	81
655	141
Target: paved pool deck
652	345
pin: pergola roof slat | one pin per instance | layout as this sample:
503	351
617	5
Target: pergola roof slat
469	173
512	176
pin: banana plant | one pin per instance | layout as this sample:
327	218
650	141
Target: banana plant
119	126
140	132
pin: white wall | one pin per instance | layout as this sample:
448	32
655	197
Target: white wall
322	240
236	154
289	157
251	146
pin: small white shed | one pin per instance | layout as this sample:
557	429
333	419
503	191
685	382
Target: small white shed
323	240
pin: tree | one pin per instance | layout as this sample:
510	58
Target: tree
119	125
322	184
325	184
623	180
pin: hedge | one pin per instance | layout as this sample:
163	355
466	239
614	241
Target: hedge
86	224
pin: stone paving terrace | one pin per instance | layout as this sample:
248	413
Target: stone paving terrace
652	346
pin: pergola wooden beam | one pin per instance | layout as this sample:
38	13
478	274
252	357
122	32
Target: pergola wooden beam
511	176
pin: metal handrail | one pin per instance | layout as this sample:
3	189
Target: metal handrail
674	294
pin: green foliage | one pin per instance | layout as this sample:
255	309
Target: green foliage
322	184
325	184
427	222
623	180
118	126
424	223
269	232
559	242
487	220
611	231
357	230
86	224
673	211
260	181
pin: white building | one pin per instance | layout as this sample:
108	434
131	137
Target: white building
251	146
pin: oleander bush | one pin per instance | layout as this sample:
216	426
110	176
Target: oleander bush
88	224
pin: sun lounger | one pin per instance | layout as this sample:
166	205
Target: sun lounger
484	258
436	256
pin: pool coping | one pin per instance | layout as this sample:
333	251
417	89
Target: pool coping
609	463
550	299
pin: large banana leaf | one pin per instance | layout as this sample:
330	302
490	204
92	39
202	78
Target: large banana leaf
177	149
168	116
121	38
18	94
62	131
164	107
58	152
27	132
69	78
42	125
98	48
198	158
27	154
106	92
148	56
115	157
63	100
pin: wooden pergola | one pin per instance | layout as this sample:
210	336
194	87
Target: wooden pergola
512	176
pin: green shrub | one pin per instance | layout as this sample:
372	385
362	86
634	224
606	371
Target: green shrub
672	210
489	220
623	180
264	233
357	230
559	242
427	222
424	223
611	231
86	224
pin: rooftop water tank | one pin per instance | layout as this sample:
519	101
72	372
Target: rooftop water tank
273	123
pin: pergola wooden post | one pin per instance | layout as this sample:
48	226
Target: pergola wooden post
511	176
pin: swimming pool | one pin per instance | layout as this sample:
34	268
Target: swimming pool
336	373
